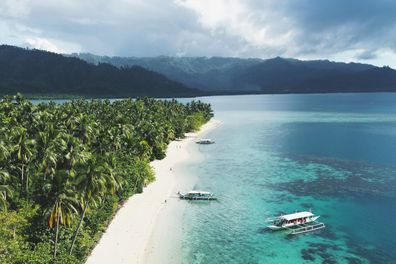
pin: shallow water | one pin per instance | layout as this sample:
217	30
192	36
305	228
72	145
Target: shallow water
334	154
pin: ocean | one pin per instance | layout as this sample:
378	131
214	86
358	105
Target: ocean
334	154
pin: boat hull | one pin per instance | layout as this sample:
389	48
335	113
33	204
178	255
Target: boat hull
274	227
205	141
197	198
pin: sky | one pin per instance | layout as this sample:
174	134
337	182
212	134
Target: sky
339	30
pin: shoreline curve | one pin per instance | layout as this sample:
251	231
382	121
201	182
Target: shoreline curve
128	234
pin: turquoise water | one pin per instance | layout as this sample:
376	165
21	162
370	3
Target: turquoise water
334	154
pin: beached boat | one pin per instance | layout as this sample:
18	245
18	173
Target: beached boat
205	141
197	195
297	223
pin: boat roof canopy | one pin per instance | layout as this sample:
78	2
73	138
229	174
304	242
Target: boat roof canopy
296	215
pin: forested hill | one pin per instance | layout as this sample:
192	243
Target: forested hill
277	75
37	72
208	74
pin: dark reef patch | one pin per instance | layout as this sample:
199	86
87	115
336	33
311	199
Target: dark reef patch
352	260
327	233
373	255
308	254
279	197
327	185
337	178
319	250
323	247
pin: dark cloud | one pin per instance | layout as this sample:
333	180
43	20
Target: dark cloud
352	23
367	55
362	30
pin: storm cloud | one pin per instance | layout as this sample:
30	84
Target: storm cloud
353	30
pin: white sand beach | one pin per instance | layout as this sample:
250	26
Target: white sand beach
128	237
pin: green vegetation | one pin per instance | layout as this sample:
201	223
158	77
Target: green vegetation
65	168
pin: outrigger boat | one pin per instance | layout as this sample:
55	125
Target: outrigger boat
197	195
297	223
205	141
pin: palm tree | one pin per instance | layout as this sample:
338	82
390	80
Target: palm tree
49	158
63	192
4	150
73	152
24	150
62	207
49	147
92	186
4	190
4	176
61	213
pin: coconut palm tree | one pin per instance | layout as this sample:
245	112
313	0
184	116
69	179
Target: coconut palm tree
74	152
93	185
63	194
4	175
62	205
5	190
61	212
24	149
48	152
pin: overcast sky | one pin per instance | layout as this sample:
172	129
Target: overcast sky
341	30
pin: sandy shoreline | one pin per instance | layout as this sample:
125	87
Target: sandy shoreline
129	233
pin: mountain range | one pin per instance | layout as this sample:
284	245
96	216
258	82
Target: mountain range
276	75
41	73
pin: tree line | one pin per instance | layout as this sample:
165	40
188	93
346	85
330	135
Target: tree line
65	168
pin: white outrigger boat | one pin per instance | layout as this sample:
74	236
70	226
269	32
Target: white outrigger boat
297	223
197	195
205	141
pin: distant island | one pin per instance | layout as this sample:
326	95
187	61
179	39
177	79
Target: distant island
37	73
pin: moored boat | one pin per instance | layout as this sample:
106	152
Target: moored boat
205	141
197	195
297	223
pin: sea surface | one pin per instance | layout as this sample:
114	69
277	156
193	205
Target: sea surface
334	154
